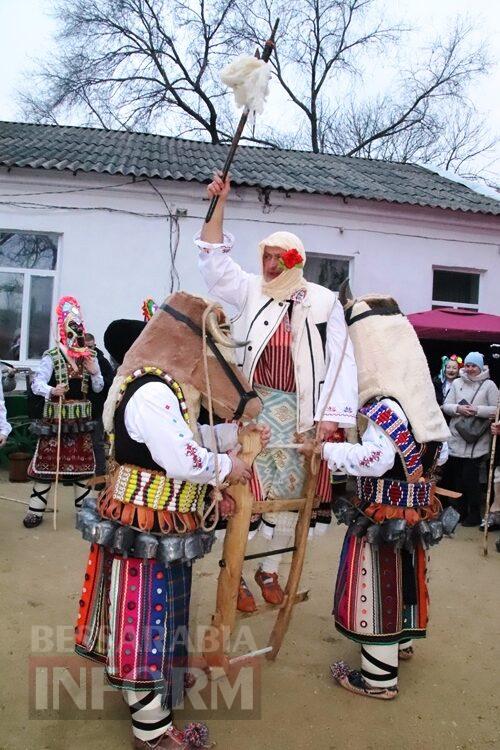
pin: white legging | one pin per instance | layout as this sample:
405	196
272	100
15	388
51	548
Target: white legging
149	719
40	491
379	663
272	563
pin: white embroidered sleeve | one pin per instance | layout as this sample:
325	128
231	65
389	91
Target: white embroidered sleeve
5	427
372	457
153	417
224	278
40	385
342	401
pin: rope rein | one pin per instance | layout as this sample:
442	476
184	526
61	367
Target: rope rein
216	494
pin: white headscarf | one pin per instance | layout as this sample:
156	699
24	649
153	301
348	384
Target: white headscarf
291	279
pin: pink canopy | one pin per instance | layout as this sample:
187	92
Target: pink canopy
448	323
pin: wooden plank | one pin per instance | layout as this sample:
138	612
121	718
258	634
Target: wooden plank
301	534
217	638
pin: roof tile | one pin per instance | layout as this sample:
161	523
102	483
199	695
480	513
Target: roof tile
144	154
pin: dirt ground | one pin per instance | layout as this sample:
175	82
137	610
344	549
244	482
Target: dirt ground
450	692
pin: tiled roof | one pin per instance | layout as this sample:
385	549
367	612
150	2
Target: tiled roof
145	155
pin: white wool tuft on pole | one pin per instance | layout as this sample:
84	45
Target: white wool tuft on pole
248	77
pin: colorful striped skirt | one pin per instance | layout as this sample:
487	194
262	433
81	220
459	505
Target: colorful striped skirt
134	619
381	593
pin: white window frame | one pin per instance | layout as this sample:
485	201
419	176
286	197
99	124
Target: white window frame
458	305
28	274
333	256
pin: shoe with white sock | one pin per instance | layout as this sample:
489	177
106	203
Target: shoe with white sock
37	505
493	521
194	736
353	680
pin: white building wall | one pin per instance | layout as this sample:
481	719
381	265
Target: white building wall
114	241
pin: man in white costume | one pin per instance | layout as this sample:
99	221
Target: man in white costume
298	357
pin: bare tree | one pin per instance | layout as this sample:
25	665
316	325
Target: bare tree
323	54
136	63
155	64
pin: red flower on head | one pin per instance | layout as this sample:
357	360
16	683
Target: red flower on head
291	259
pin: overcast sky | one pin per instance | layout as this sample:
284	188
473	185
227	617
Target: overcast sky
28	32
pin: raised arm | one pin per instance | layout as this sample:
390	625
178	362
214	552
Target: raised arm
213	231
224	278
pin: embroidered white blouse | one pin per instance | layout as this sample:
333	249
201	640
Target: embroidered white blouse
153	417
374	455
40	385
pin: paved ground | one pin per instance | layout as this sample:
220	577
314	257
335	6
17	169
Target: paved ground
450	692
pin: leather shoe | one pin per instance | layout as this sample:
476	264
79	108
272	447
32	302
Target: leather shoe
271	590
246	602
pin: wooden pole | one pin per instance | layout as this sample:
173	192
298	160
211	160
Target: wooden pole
301	534
58	461
266	54
490	482
235	542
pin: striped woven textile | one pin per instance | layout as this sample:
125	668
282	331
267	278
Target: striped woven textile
133	618
275	371
381	592
275	366
393	492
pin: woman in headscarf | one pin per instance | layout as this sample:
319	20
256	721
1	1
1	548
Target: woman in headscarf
471	404
450	369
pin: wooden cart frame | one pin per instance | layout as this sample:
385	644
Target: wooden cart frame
218	637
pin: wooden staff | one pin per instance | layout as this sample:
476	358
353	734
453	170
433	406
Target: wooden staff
490	482
266	54
58	461
301	536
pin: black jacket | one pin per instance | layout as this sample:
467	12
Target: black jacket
97	399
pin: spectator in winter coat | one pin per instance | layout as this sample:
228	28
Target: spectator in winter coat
470	403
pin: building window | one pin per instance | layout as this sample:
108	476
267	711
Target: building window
27	269
455	289
326	270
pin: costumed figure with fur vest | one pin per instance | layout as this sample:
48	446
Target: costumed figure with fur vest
381	596
298	357
150	523
65	377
